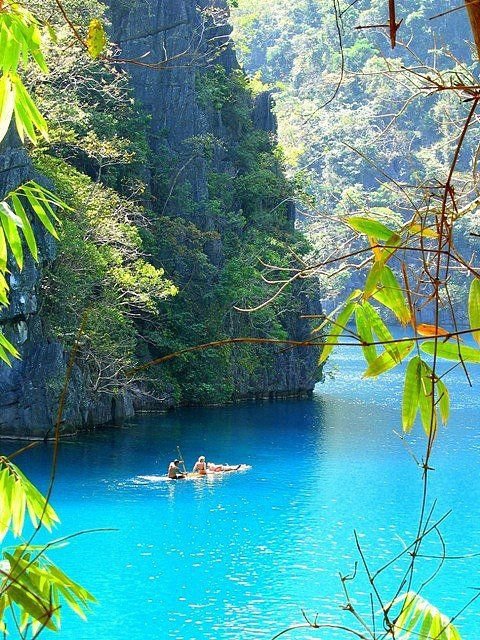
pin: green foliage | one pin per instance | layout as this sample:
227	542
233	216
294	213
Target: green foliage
19	495
217	266
100	266
96	38
213	88
14	222
373	129
20	43
32	587
419	618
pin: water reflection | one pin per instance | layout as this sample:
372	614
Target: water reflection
238	556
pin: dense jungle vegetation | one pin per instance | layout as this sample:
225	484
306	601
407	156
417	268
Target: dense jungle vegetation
381	130
130	250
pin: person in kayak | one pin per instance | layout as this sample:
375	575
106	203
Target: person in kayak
216	468
174	471
200	466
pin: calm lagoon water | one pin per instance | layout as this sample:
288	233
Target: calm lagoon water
240	556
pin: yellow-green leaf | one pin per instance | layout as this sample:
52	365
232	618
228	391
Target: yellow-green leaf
428	410
416	229
386	361
391	295
26	226
96	38
365	333
474	309
373	277
27	112
370	228
339	325
10	228
7	103
443	401
452	351
381	330
411	393
40	208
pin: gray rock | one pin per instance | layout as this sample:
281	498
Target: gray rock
150	31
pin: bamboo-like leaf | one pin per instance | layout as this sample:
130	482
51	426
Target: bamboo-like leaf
96	38
38	505
411	393
426	232
26	226
18	508
40	209
7	103
443	401
371	228
4	288
30	604
391	296
428	410
365	333
474	309
373	278
27	113
452	351
18	494
386	361
431	331
4	357
381	331
340	323
419	619
8	220
3	252
8	346
43	580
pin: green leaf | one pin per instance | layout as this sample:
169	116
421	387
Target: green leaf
340	323
40	209
443	401
411	393
428	410
386	361
419	619
3	252
381	331
373	277
370	228
474	309
96	38
26	226
452	351
391	295
7	103
8	220
365	333
8	346
27	113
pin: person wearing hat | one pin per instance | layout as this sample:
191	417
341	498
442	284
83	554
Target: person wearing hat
200	466
174	471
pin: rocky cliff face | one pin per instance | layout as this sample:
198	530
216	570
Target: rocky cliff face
179	38
184	39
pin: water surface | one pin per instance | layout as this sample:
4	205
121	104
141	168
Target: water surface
241	556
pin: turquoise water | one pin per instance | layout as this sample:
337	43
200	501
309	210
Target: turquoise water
240	556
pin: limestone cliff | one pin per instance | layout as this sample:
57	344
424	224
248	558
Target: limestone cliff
189	39
189	44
